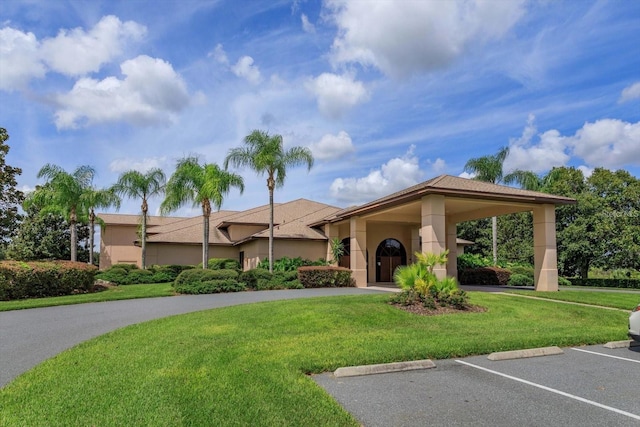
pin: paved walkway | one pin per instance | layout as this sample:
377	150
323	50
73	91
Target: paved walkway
29	337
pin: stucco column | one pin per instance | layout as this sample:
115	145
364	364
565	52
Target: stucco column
415	243
544	246
358	234
452	245
331	231
434	235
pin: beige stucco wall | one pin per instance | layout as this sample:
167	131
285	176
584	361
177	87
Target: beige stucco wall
181	254
257	250
254	252
116	246
239	232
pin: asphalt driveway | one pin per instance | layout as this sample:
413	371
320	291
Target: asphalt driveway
29	337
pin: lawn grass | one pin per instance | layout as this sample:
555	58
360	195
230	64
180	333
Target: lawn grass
246	365
111	294
622	300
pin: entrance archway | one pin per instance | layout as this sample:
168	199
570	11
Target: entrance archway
389	256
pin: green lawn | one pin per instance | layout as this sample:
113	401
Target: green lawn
246	365
112	294
622	300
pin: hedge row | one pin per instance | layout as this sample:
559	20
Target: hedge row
129	274
492	276
38	279
606	283
325	277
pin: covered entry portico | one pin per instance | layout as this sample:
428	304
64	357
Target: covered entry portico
424	218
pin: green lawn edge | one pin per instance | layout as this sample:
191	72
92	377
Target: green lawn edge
247	365
621	300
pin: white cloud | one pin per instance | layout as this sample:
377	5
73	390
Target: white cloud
77	52
630	92
307	26
397	174
403	38
610	143
333	146
151	92
144	165
20	50
244	68
219	54
550	150
437	167
467	175
337	94
586	171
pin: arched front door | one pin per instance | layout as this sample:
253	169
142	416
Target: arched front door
389	256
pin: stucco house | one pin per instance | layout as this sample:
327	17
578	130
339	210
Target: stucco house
378	236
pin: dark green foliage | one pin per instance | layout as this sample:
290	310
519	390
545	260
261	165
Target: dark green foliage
606	283
197	275
325	277
128	267
563	281
289	264
130	274
210	286
493	276
10	197
456	298
471	260
525	270
251	277
518	279
46	236
20	280
222	264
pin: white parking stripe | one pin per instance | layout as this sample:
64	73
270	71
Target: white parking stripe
552	390
605	355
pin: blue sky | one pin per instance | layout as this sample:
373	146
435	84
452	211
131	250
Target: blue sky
386	94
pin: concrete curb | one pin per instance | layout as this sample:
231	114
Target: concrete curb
352	371
521	354
622	344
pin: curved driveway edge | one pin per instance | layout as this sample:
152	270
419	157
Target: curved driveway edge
29	337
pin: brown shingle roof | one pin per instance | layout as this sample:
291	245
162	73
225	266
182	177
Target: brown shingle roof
125	219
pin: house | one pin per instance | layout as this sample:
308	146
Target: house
378	236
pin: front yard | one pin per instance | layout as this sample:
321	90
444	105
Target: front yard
247	365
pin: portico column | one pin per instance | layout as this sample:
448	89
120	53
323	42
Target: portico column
434	229
452	245
331	231
358	234
544	245
415	243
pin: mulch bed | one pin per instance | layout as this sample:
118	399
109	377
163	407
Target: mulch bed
421	310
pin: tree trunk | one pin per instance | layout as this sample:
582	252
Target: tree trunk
206	213
271	184
92	223
494	229
143	237
74	235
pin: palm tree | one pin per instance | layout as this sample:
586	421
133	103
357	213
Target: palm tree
265	153
136	185
203	185
63	194
489	169
98	198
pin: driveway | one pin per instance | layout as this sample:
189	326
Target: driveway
585	386
28	337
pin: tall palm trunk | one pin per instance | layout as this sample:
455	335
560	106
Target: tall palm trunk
494	229
271	184
74	235
206	214
143	237
92	223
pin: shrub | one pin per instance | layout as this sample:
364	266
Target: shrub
325	277
492	276
222	264
289	264
251	277
562	281
140	277
606	283
44	279
518	279
199	275
524	270
466	261
127	267
210	287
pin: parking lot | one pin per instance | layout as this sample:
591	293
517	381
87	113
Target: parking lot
584	386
